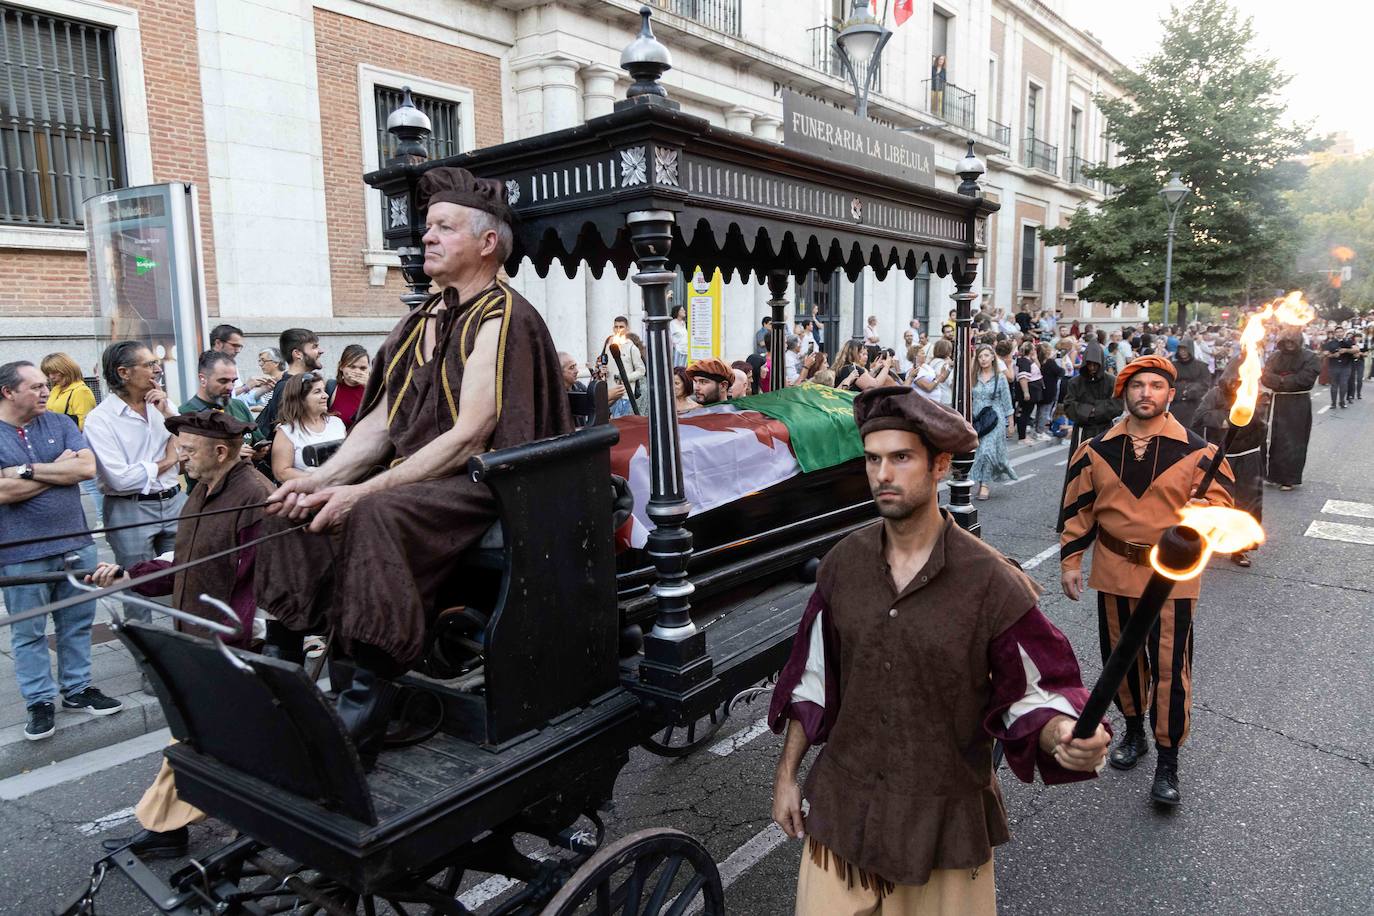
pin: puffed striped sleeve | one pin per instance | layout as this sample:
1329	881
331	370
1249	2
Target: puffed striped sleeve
1076	514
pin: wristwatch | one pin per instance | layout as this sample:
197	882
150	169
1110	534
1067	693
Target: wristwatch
25	472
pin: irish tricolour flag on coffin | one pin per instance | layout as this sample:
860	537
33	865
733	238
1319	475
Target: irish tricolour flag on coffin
732	450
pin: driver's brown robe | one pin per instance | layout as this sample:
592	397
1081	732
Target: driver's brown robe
378	578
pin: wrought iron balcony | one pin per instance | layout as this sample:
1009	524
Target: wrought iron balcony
826	59
1074	167
950	103
1000	133
1038	154
721	15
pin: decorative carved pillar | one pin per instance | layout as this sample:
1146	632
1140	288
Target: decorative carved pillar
969	170
960	486
777	329
675	657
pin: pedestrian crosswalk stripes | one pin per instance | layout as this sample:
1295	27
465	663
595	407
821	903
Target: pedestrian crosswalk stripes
1338	531
1344	507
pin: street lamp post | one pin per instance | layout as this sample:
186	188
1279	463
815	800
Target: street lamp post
860	45
1173	194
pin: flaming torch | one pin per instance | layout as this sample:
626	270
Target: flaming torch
1181	554
1291	310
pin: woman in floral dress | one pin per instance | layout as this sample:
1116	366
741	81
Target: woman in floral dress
990	389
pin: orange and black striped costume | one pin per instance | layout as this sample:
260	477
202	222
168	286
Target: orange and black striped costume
1123	504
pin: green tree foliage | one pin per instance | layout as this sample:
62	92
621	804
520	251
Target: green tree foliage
1336	209
1206	106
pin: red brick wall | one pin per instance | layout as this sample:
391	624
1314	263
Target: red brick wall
57	283
341	44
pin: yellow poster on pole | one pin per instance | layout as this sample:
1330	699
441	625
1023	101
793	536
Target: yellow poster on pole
703	315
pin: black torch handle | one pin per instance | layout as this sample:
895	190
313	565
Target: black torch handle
48	577
1128	647
624	381
1210	477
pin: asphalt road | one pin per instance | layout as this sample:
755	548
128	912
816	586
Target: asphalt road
1278	813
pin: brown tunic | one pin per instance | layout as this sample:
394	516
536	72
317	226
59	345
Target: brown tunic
379	577
230	579
905	784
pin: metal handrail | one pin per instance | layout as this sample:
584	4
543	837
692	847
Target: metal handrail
721	15
950	102
999	132
824	58
1074	167
1038	154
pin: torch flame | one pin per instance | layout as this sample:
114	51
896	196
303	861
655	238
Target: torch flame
1222	530
1291	310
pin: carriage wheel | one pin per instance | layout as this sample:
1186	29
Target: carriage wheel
681	740
648	873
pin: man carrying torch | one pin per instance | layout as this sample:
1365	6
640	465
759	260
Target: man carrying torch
1125	489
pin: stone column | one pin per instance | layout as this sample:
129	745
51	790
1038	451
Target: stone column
605	297
739	119
767	127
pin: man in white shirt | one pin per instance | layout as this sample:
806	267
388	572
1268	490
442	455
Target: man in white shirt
792	359
136	458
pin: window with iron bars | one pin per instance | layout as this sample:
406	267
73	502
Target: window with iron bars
445	119
59	118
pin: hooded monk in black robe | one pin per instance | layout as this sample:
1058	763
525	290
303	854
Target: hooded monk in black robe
1289	373
473	369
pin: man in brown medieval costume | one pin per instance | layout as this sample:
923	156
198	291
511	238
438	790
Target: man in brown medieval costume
920	646
1126	486
472	369
209	442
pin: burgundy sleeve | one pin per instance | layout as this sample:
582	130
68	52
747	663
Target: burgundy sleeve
815	719
1033	668
159	586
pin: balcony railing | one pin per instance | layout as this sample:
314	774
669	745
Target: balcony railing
721	15
826	59
1074	166
999	132
1038	154
950	103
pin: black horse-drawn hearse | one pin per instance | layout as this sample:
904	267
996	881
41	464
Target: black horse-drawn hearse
535	727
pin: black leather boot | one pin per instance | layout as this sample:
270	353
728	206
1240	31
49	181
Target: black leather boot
283	643
1164	791
1132	746
365	708
152	844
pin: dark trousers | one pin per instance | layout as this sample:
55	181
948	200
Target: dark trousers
1340	381
1162	676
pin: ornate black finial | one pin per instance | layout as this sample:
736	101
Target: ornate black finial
646	59
411	127
970	169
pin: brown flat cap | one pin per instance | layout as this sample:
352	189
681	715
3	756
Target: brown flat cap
1152	363
448	184
711	368
899	407
213	424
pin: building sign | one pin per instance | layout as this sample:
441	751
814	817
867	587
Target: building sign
703	315
146	275
816	127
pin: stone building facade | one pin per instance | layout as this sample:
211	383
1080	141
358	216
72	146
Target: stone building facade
272	109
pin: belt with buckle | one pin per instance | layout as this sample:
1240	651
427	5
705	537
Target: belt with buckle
158	497
1138	554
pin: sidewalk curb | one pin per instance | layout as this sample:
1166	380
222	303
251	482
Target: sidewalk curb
79	733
